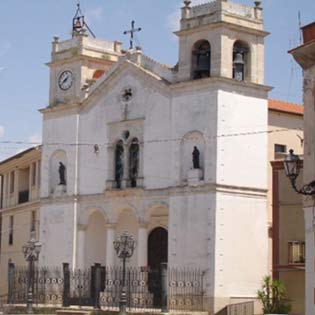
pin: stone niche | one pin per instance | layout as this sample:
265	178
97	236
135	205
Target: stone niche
57	189
188	173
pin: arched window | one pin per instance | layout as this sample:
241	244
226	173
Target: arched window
201	60
240	61
133	162
119	163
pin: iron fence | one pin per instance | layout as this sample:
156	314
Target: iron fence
48	285
185	289
101	287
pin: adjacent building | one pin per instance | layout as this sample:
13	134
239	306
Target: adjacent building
19	207
305	56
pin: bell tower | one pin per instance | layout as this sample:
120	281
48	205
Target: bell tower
78	62
221	39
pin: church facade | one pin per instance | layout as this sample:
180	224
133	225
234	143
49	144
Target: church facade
175	156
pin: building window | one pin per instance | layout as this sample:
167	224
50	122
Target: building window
280	148
12	180
240	61
133	162
296	252
201	60
119	163
33	221
11	230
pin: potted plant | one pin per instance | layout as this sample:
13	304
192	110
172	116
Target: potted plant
273	296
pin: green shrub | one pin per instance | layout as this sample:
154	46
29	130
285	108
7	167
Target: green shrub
273	296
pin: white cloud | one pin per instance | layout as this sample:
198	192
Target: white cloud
174	18
35	139
1	131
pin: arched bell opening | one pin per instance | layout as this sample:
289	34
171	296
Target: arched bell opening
201	60
241	61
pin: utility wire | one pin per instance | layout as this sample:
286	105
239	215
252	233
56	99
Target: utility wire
227	135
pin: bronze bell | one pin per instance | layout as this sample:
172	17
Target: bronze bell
77	24
238	60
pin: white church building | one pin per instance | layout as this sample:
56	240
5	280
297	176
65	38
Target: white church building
118	140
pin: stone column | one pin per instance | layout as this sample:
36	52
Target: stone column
125	181
5	190
143	245
110	252
16	186
81	236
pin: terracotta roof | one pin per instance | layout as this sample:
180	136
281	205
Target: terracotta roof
285	107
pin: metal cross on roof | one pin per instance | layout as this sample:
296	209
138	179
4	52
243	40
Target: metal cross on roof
132	31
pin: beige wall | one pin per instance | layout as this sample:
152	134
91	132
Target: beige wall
278	121
291	218
288	226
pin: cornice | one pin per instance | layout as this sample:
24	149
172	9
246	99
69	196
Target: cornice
243	87
231	26
70	108
82	58
21	207
134	193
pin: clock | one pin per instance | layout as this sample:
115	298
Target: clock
65	80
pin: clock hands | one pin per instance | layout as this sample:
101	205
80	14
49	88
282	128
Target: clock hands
65	80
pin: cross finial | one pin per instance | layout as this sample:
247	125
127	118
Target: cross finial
257	4
187	3
132	31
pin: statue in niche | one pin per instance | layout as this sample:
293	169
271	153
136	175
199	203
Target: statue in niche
133	163
119	163
196	158
62	174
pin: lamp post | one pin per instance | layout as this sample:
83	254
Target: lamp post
292	167
31	251
124	246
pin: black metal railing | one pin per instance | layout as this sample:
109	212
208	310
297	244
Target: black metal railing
24	196
48	285
100	287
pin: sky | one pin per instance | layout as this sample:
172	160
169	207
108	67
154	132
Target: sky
27	28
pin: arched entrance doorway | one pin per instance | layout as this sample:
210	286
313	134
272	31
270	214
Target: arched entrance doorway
157	248
157	254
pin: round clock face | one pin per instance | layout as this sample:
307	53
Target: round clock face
65	80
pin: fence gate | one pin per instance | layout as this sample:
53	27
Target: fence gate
82	287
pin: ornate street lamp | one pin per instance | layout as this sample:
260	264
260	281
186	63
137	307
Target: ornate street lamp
124	246
31	251
292	167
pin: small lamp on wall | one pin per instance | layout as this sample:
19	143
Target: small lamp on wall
292	167
96	149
